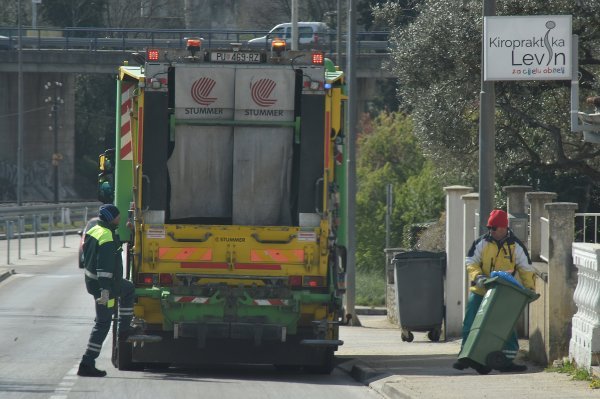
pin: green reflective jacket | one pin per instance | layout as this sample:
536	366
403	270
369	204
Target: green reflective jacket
102	259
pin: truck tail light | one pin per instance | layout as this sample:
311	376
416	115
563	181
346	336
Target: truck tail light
318	58
313	281
306	281
295	281
147	279
166	280
152	54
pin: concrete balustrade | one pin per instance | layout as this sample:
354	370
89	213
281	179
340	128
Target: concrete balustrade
584	346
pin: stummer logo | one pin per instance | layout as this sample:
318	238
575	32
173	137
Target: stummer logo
526	48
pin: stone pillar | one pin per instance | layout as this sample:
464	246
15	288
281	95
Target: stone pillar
536	211
584	347
454	258
471	231
516	209
561	278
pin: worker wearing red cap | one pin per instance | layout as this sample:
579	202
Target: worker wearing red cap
497	250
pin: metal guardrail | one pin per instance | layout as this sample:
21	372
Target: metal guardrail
99	39
586	227
17	222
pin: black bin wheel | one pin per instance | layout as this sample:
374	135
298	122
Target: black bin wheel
434	335
483	370
496	360
408	336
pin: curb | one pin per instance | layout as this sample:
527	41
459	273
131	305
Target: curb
6	273
365	310
377	381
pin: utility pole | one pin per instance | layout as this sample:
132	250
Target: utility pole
294	25
19	111
351	165
55	100
338	36
487	135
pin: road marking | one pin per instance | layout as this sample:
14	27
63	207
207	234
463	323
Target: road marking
67	383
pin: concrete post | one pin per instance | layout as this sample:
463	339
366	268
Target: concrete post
516	209
455	267
471	231
536	211
562	278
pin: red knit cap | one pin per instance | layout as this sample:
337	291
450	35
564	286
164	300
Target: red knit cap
498	218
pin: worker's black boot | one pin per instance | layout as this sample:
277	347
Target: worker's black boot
460	365
85	370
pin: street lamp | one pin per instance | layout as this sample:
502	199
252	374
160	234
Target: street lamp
55	101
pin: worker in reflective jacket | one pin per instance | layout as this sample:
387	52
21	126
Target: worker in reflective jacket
104	280
498	250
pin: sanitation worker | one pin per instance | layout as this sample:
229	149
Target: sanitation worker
497	250
104	281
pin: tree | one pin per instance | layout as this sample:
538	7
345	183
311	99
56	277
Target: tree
437	61
388	153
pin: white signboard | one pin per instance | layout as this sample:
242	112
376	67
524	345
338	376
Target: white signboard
204	93
527	47
264	94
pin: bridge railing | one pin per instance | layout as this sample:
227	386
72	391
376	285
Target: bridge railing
128	39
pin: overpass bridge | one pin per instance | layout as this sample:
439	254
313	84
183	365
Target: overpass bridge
61	54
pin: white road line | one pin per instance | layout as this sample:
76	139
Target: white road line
67	383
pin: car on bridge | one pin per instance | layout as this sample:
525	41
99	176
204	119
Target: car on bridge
310	34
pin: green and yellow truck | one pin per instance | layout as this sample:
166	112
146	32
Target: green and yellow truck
231	165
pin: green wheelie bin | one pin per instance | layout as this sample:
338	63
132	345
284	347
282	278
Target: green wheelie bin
496	317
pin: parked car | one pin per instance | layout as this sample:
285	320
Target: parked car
310	34
90	223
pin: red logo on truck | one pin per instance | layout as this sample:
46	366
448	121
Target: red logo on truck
261	91
201	90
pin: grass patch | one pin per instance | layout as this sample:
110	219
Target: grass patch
370	288
577	374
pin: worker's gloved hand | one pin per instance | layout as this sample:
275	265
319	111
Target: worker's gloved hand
479	280
104	296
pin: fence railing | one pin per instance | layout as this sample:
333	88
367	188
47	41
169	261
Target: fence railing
586	227
128	39
36	221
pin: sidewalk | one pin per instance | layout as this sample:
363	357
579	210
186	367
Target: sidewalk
59	247
375	355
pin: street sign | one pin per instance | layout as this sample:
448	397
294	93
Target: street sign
527	47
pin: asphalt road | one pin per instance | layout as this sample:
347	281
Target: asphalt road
45	320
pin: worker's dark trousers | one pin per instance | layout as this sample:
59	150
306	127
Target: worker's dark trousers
103	320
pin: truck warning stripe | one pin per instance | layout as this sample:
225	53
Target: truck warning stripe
190	299
125	151
277	255
184	254
257	266
271	302
203	265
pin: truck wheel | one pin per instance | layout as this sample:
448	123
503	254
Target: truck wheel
326	366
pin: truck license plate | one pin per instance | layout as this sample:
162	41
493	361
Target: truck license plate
234	56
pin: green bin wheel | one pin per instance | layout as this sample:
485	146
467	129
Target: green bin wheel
483	370
496	360
434	335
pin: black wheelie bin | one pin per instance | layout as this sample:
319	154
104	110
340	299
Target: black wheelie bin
495	320
419	279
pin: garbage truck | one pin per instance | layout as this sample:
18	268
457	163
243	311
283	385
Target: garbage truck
230	166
